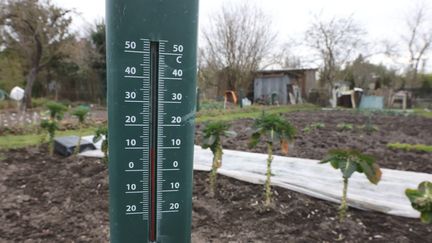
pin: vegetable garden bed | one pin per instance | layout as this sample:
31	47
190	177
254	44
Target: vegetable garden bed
52	199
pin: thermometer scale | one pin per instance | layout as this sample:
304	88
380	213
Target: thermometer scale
151	65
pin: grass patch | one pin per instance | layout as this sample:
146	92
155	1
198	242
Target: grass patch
313	126
410	147
345	126
211	105
22	141
423	113
248	112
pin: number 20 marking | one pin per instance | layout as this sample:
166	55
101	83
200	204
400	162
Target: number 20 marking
174	206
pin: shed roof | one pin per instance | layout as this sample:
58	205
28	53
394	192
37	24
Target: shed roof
282	72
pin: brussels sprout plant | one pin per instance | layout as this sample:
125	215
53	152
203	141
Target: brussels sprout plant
350	161
101	133
272	128
81	113
421	200
213	133
56	111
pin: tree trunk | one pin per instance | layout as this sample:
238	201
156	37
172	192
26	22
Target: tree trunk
31	78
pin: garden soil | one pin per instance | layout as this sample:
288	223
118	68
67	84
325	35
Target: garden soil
383	129
52	199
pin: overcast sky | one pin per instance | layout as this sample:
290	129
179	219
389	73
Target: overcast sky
383	19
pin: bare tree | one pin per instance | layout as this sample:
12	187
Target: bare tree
237	42
37	30
418	40
335	41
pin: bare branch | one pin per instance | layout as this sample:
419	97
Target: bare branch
237	41
418	39
336	41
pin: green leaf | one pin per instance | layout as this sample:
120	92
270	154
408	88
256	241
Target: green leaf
50	125
274	128
96	139
412	194
56	110
100	132
425	187
255	139
426	217
209	141
421	200
348	169
362	163
372	171
104	146
81	112
230	134
335	164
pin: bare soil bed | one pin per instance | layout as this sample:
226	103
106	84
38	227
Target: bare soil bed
316	143
51	199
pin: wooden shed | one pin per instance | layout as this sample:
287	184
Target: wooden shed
284	85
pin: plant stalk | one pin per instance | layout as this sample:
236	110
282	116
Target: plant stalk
105	151
343	208
217	158
51	144
268	173
77	148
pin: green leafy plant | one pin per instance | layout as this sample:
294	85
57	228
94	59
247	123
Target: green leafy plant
370	127
56	112
102	133
421	200
350	161
345	126
410	147
313	126
213	133
51	126
81	113
272	128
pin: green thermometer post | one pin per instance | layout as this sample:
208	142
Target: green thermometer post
151	67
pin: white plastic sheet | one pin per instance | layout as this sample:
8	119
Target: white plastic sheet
317	180
320	180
